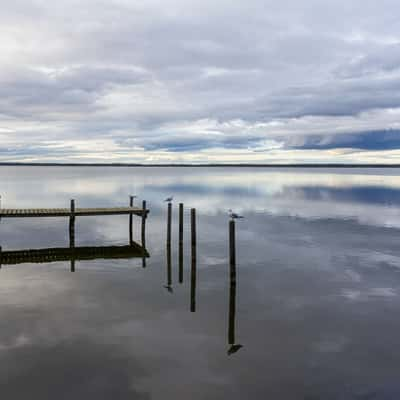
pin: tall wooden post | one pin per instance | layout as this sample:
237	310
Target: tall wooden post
130	221
144	216
180	242
72	235
193	271
169	223
232	289
169	267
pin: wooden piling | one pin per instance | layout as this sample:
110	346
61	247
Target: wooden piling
169	222
180	242
72	225
130	221
72	234
193	272
232	287
144	215
169	265
1	257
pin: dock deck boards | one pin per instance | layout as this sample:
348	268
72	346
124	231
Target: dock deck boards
66	212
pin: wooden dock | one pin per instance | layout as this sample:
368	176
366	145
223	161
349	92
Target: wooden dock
72	213
13	257
66	212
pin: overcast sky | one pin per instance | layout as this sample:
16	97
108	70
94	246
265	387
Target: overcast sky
200	81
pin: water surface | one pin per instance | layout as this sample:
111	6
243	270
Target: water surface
317	290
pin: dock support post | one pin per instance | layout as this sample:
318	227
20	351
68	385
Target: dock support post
232	289
144	216
130	221
180	242
72	235
194	260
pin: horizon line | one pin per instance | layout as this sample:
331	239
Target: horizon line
247	165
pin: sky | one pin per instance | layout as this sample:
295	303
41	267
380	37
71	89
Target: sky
256	81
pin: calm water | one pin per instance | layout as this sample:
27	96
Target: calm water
317	293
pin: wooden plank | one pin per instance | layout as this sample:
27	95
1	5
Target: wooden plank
65	212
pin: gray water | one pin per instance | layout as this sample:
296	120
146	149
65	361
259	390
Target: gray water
317	291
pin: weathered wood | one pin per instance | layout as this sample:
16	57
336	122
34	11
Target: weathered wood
66	212
169	265
180	243
232	279
130	220
193	273
72	235
144	216
169	222
72	225
232	243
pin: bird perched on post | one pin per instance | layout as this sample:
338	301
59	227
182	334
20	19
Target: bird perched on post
233	215
169	199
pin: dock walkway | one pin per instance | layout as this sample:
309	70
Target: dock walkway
66	212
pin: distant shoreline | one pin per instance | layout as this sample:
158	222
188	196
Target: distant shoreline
244	165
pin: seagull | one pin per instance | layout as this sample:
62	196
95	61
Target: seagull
169	199
234	348
234	215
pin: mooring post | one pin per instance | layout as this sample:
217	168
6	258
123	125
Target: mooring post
130	221
232	244
232	290
72	235
194	259
180	242
144	216
169	223
1	257
169	266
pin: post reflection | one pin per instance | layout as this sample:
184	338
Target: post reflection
193	272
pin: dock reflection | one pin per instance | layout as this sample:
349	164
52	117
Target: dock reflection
72	254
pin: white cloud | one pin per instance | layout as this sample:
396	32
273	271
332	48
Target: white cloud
194	80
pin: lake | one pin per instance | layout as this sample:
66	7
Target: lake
313	313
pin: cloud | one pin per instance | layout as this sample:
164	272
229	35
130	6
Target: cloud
144	76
